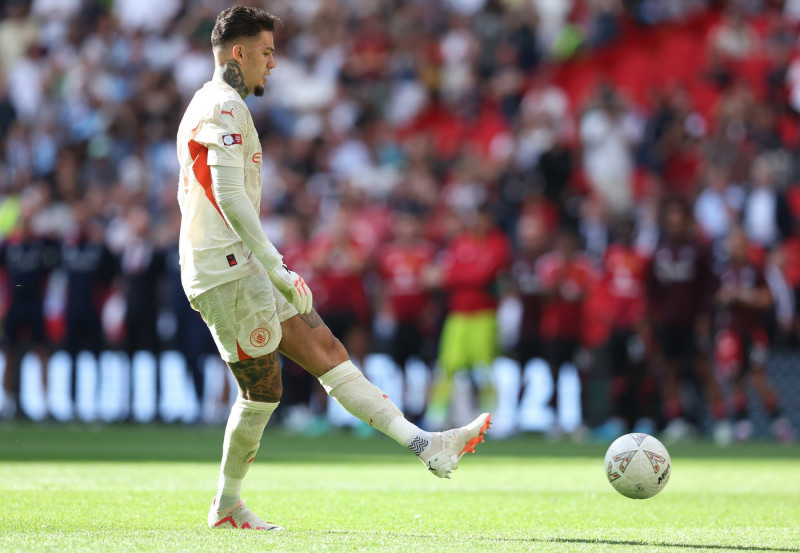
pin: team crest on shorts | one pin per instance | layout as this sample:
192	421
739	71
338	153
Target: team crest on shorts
259	337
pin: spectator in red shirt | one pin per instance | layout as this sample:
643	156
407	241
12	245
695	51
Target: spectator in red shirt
469	272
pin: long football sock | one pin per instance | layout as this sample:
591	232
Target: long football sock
242	437
347	385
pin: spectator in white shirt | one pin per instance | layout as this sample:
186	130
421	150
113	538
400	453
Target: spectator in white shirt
608	132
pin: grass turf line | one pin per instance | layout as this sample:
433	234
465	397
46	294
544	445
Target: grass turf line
131	488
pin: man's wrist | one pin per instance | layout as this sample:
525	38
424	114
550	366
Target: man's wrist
269	257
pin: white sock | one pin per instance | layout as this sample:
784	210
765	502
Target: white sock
347	385
242	437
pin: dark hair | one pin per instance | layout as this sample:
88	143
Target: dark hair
241	21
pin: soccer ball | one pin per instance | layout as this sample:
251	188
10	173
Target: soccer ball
637	465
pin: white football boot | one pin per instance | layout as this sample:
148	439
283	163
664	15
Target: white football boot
447	447
237	517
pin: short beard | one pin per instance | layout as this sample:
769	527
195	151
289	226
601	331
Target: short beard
258	91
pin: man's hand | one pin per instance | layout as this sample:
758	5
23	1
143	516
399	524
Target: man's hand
292	286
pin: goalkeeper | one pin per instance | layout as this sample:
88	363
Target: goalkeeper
253	304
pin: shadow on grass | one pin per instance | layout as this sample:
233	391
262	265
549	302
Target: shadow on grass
185	443
635	543
627	543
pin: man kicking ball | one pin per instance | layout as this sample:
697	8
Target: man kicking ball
253	304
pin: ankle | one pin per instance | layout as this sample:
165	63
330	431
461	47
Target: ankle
421	442
226	502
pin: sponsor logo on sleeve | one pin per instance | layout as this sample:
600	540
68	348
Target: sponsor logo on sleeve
257	157
227	112
231	139
231	260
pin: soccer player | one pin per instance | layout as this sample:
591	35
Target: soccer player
680	291
565	278
28	260
254	305
406	301
90	267
470	269
339	262
743	301
622	353
142	266
531	245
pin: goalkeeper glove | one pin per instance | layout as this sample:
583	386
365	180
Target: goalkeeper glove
292	286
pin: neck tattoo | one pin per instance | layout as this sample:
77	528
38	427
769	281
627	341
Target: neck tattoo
232	74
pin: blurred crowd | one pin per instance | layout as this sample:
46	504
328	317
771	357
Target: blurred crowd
611	184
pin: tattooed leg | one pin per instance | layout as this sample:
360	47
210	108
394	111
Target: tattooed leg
260	383
259	379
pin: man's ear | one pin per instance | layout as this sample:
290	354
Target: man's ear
237	52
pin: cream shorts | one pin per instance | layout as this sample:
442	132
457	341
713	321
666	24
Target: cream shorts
245	316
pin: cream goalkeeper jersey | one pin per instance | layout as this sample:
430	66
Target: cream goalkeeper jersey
215	130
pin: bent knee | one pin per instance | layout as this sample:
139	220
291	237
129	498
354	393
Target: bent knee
334	348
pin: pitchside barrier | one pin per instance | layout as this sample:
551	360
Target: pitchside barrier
523	392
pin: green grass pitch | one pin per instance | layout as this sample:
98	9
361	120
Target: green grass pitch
147	488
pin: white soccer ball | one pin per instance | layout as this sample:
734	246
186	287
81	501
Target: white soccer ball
637	465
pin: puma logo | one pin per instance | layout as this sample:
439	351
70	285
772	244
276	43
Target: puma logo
228	112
